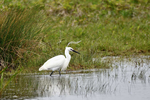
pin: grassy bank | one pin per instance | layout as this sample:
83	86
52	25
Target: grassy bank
30	32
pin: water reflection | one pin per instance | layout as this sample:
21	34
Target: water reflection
76	84
128	78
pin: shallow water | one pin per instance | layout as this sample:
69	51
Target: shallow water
129	78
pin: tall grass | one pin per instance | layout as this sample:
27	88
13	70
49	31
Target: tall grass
3	84
19	35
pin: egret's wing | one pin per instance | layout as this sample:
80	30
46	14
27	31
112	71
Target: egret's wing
54	63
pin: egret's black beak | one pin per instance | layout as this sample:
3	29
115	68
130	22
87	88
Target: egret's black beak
75	51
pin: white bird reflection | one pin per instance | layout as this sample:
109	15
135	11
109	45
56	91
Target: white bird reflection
121	79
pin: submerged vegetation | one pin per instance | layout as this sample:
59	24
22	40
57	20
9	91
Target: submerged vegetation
32	31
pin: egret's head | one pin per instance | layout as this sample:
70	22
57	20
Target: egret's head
71	49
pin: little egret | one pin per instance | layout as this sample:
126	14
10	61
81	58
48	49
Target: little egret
59	62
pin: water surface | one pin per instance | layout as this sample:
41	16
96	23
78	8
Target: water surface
128	79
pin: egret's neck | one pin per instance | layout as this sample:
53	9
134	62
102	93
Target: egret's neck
67	55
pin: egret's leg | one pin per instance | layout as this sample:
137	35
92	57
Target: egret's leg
51	73
59	73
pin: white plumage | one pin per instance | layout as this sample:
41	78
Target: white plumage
59	62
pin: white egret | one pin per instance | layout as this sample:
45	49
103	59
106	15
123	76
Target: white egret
59	62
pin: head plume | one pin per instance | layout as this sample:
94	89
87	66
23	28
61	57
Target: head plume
72	42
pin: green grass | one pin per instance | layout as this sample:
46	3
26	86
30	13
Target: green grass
31	31
4	82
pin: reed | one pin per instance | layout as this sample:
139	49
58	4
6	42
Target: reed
19	33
